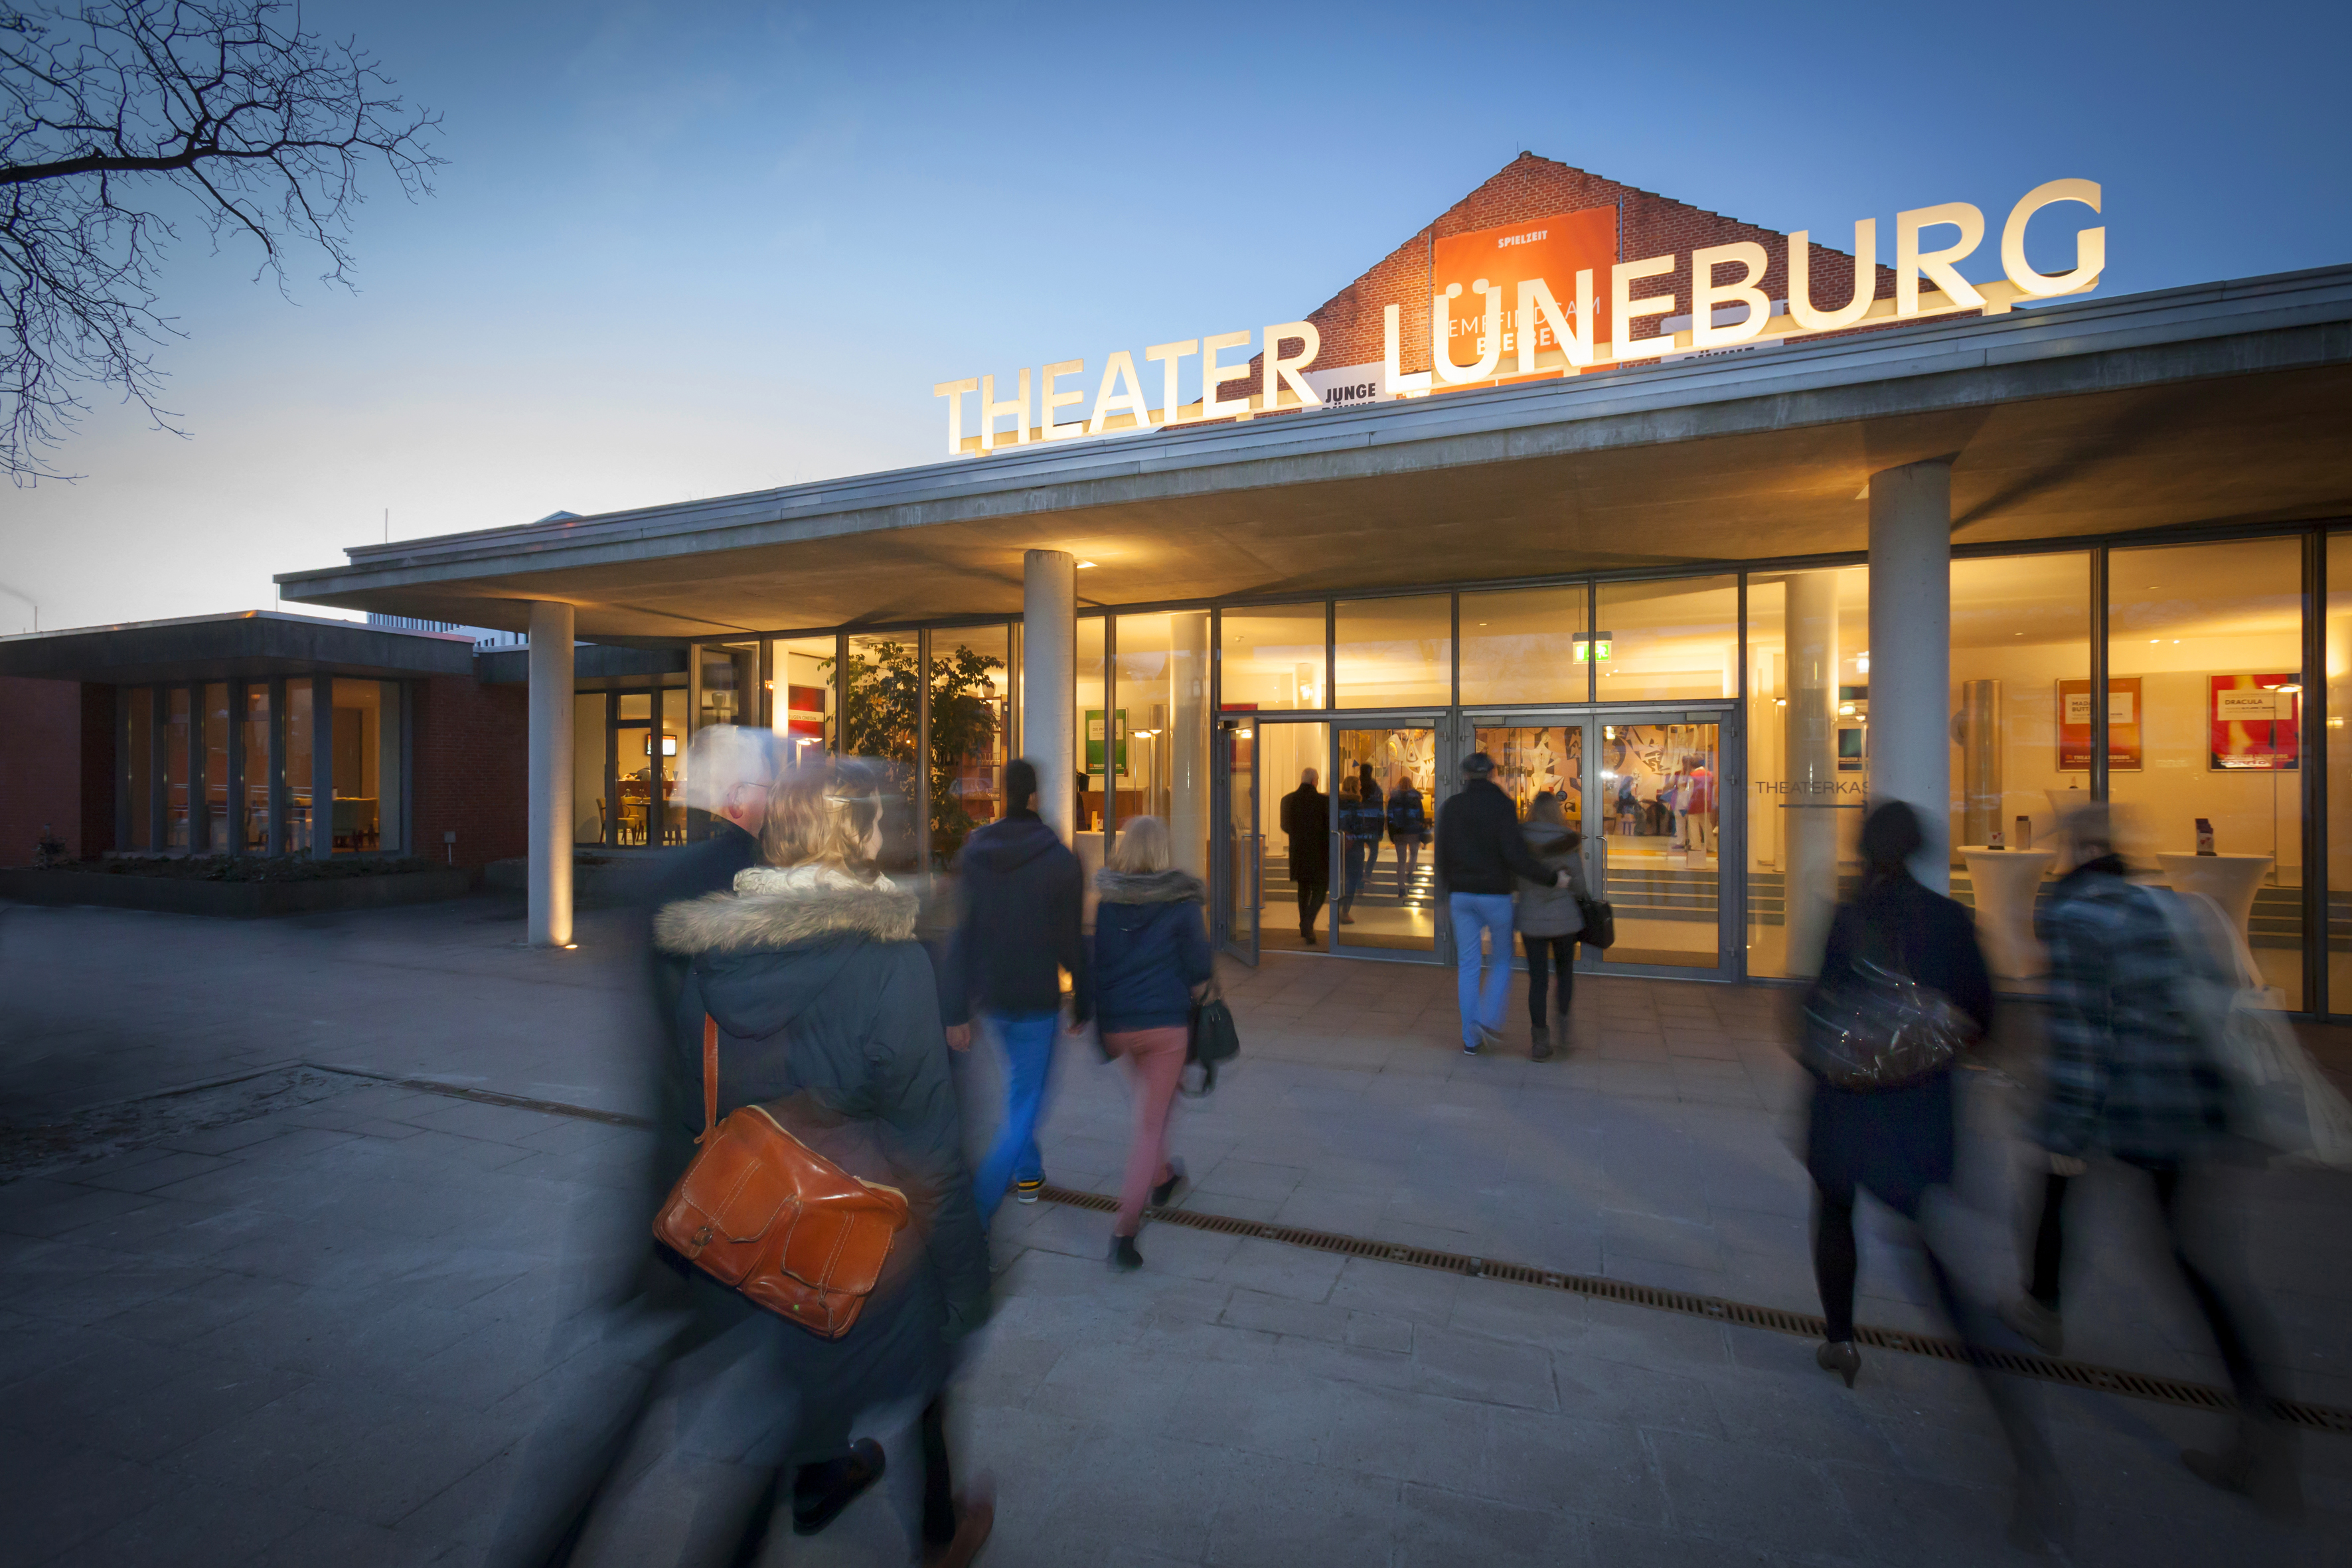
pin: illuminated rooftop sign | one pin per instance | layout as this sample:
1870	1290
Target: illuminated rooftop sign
1541	299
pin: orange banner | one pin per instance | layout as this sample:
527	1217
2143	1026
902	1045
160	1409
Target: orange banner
1553	248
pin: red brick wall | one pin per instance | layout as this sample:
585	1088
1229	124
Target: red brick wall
472	765
1530	187
40	765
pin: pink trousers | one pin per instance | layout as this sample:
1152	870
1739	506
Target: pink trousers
1155	1061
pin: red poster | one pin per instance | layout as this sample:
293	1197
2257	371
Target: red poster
1553	248
2124	753
2255	720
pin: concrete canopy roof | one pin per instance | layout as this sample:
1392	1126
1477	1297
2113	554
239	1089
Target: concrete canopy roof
2222	403
250	645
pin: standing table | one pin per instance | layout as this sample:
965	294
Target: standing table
2006	881
2230	880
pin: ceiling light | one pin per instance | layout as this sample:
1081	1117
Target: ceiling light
1082	565
2153	641
1846	710
2291	687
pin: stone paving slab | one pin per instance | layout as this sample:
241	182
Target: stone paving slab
324	1333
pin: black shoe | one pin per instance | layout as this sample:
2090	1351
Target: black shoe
821	1491
1123	1255
1542	1049
1167	1189
1839	1357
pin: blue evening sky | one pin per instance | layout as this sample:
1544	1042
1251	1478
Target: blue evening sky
690	251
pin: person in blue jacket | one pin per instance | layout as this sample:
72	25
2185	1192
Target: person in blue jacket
1151	959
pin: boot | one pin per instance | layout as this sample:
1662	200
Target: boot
1541	1050
1839	1357
1559	1030
1123	1255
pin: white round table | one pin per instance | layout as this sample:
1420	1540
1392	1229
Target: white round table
2230	880
2006	881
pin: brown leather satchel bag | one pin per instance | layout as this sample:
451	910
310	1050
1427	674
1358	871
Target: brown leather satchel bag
764	1214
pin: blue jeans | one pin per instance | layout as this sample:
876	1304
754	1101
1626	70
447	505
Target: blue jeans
1481	1003
1026	1042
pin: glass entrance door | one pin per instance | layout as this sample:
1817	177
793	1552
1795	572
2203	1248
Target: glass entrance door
1383	883
1656	794
1238	864
1646	791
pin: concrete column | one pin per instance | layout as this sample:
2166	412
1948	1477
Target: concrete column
1187	740
1911	653
1809	741
548	891
1049	607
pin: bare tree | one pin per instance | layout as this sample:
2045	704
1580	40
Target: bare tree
118	121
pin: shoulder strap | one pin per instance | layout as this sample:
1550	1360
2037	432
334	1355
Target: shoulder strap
709	1077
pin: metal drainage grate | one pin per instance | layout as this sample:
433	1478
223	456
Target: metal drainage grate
1803	1325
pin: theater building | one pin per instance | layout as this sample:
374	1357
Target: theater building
1717	532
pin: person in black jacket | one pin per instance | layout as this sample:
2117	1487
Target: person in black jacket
1151	959
1023	892
1480	850
827	1017
1306	820
1897	1144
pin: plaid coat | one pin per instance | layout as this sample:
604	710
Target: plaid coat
2127	1075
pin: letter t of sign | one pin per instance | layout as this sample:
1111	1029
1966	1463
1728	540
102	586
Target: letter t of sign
953	392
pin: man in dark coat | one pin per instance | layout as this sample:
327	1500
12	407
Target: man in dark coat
1306	822
1481	848
1022	894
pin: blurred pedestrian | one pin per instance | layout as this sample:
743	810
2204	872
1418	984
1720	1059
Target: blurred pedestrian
2131	1074
1896	1141
1021	893
1480	850
1548	917
1408	816
1359	831
1151	959
1375	815
646	1316
1306	824
826	1016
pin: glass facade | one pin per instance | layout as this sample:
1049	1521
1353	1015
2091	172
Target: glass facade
801	699
1670	640
1710	734
294	838
178	707
254	734
138	772
214	708
1807	717
628	748
1394	653
1526	645
1272	659
971	728
2204	724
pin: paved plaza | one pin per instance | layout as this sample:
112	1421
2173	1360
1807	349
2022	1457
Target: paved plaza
304	1313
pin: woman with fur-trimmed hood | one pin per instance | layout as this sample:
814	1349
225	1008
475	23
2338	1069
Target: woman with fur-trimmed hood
828	1016
1151	957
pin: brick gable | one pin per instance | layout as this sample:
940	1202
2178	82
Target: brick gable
1528	188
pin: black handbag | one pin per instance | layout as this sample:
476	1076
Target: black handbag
1599	931
1877	1027
1211	1039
